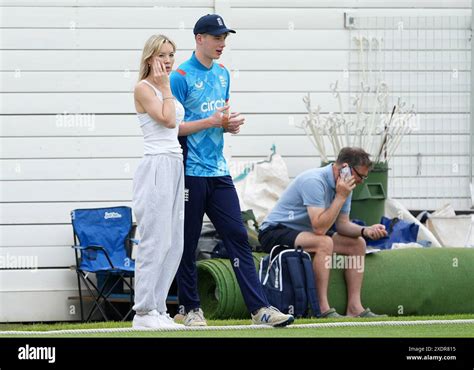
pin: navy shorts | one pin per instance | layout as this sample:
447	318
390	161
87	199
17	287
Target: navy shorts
280	235
277	235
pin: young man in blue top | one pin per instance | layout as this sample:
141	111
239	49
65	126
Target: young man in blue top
312	203
202	87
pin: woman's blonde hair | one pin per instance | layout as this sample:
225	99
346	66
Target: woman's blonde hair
153	45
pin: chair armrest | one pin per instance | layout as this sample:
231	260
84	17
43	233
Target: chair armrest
97	248
94	247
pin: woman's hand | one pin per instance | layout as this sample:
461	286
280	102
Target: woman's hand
159	75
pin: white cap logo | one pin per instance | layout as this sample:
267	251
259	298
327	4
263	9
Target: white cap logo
219	21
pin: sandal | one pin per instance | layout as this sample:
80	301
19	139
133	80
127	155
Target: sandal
368	314
331	313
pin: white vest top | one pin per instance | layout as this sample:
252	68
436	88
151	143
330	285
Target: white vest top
159	139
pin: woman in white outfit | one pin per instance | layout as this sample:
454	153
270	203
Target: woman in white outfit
158	186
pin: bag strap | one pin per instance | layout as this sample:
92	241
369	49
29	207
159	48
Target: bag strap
296	275
272	258
393	222
276	251
311	291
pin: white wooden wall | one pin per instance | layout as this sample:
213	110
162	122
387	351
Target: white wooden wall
82	56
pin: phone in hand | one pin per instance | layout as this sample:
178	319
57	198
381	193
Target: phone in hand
346	173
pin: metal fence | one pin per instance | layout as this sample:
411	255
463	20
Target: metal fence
424	63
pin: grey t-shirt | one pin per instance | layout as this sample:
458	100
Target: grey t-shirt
314	188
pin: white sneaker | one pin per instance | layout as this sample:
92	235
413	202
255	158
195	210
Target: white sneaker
195	318
271	316
147	321
167	320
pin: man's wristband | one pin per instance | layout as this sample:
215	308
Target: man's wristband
362	232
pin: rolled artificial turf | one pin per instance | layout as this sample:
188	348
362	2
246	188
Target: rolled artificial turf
415	281
219	291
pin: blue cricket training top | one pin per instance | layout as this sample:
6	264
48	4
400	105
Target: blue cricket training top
201	91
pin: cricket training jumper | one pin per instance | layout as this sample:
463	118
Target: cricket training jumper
209	187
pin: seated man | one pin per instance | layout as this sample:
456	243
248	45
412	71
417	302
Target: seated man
312	203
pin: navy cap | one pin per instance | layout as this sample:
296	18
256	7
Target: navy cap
212	24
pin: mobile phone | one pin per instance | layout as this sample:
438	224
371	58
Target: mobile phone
346	172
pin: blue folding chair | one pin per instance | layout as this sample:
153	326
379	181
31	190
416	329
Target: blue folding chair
105	237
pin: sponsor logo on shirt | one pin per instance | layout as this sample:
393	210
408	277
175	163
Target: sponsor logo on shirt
211	106
199	84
